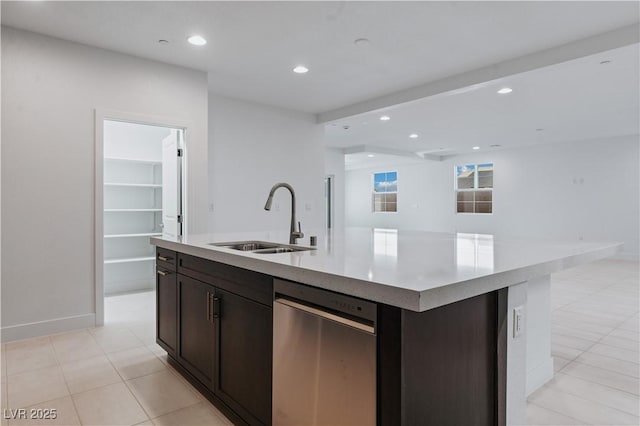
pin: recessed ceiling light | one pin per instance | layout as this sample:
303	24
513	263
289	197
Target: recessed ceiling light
505	90
301	69
197	40
413	135
361	42
370	155
475	148
163	41
385	118
605	62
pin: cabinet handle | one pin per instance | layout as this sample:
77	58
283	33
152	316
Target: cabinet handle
216	307
209	307
163	273
164	259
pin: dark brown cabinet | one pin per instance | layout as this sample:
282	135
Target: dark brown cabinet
243	364
215	322
196	328
444	366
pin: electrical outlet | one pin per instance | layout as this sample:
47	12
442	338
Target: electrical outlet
518	321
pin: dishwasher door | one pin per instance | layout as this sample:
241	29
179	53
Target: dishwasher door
324	363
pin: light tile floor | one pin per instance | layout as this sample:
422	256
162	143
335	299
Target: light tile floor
595	344
117	375
111	375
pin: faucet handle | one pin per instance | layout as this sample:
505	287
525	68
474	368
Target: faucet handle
299	233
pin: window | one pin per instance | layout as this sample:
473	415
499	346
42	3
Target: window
474	188
385	192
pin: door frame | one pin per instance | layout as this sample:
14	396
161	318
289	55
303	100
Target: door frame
100	115
329	204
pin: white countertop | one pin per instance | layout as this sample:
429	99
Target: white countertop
414	270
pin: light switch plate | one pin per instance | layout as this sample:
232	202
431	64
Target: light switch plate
518	321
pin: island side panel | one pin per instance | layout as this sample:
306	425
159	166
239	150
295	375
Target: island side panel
538	333
516	359
450	363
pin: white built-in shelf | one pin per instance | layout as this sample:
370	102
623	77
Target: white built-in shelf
132	210
129	260
131	160
135	185
146	234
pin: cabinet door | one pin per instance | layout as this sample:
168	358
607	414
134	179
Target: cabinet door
243	356
196	332
166	310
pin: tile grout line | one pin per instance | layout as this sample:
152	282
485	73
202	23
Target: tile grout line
73	402
144	410
585	399
553	411
125	381
602	384
166	367
599	384
599	341
549	386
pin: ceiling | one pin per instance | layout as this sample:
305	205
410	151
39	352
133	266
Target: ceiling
574	100
253	47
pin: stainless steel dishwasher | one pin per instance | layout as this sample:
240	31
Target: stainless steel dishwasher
324	358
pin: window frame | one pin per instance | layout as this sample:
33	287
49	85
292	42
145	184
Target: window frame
373	192
475	188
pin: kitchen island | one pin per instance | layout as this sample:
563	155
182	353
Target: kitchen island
462	323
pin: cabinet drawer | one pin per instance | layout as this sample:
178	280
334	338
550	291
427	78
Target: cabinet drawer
252	285
166	258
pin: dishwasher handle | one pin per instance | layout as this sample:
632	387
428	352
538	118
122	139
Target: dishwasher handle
327	315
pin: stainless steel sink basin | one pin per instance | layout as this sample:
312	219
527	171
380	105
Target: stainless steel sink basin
278	250
246	245
261	247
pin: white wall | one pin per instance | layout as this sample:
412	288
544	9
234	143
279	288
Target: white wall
577	190
334	166
50	89
254	146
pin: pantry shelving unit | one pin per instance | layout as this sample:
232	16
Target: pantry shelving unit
132	214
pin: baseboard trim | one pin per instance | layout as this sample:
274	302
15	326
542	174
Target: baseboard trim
42	328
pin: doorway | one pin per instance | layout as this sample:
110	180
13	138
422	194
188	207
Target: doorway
139	195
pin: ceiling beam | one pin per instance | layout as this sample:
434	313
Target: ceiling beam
577	49
356	149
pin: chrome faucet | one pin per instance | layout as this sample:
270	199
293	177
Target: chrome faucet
293	234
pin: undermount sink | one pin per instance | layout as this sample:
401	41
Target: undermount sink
278	250
260	247
246	245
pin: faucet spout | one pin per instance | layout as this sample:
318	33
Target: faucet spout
293	234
